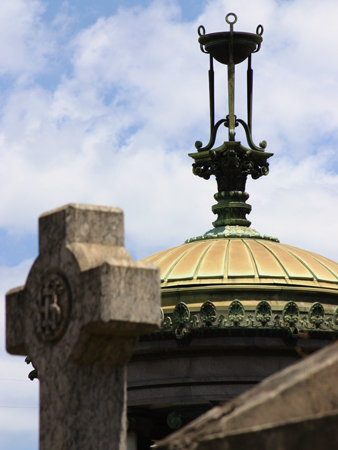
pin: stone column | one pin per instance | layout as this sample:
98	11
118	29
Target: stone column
78	317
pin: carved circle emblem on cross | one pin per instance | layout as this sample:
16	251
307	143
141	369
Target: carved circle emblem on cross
53	307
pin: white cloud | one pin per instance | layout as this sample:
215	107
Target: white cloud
24	39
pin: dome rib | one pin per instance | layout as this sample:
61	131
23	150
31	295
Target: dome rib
326	267
306	264
213	263
315	260
240	263
293	266
286	274
201	259
186	267
268	266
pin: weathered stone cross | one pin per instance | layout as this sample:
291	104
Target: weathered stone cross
78	317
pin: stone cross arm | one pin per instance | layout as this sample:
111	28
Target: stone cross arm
78	317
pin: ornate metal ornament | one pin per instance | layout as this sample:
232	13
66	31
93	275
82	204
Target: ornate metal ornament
53	307
263	312
194	322
316	314
167	323
181	314
236	312
277	323
230	48
332	322
290	314
250	321
208	313
222	321
208	320
231	163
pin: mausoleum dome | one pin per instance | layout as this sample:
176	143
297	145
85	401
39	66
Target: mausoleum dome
245	262
250	270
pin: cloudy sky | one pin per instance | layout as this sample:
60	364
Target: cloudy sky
100	102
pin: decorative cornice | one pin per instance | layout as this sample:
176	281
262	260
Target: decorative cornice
291	320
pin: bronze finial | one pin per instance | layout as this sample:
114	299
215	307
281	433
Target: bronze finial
231	163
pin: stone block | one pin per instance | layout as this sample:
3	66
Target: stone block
15	322
80	223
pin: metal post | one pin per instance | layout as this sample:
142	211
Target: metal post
231	78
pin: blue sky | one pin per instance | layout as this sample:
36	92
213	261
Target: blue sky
100	104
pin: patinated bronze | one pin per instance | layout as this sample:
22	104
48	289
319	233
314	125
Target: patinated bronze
231	162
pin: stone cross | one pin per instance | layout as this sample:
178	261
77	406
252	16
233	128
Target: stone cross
78	317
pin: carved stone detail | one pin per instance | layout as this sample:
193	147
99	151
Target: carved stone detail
53	307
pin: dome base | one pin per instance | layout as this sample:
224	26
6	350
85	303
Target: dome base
231	231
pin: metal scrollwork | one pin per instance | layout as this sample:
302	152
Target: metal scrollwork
250	321
194	322
277	321
181	332
167	323
53	307
222	321
231	167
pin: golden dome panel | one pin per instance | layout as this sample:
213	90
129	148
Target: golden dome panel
243	261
